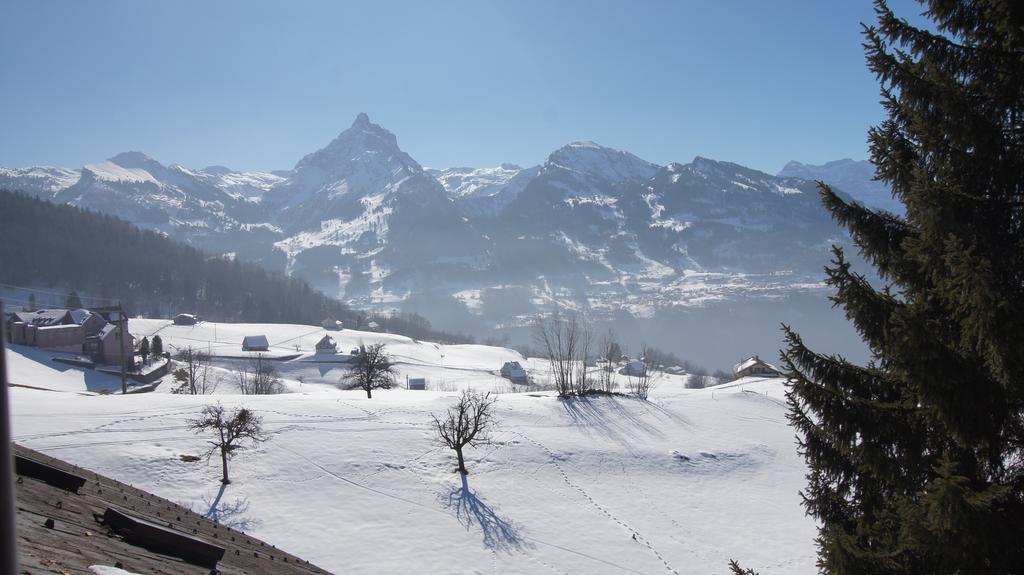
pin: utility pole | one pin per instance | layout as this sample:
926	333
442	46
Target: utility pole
122	320
8	548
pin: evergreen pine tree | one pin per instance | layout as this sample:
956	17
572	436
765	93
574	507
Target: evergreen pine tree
144	349
73	301
916	459
157	347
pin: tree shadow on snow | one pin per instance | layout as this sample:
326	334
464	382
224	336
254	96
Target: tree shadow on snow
611	417
499	534
230	513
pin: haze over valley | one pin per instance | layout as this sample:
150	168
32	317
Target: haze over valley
680	256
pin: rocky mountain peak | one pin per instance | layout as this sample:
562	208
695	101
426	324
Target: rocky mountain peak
362	121
134	159
363	141
598	161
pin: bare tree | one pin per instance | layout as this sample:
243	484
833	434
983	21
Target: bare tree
193	373
642	383
566	341
699	381
231	432
722	376
609	352
257	376
371	370
468	422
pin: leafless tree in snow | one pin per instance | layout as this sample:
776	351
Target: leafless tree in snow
641	384
609	352
566	341
231	432
371	370
193	372
468	422
257	376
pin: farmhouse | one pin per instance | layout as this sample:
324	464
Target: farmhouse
106	346
326	345
514	372
331	324
755	366
255	343
185	319
54	329
635	368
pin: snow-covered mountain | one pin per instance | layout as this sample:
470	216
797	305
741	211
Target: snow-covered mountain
360	212
591	227
42	181
215	209
484	191
622	218
856	178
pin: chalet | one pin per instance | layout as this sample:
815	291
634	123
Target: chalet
635	368
255	343
331	324
185	319
326	345
514	372
753	366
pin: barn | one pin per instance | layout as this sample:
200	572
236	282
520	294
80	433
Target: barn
255	343
185	319
326	345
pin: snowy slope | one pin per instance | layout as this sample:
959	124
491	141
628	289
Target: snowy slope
679	484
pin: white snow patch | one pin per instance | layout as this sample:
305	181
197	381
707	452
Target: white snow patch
111	172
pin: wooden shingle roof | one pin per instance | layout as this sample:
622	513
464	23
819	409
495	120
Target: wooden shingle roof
58	530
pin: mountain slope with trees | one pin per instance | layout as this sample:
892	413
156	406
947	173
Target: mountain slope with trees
66	247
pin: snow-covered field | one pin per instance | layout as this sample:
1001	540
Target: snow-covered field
678	484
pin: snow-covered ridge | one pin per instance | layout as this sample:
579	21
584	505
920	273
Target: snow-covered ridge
108	171
856	178
473	182
597	161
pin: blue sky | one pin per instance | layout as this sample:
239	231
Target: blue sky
257	85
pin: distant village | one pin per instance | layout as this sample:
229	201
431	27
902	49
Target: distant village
101	338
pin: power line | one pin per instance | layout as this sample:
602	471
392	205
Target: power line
57	293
